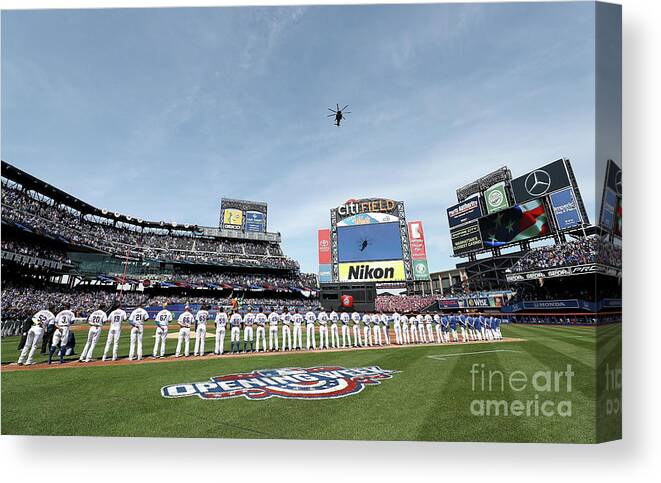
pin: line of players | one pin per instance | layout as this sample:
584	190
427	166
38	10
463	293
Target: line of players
251	328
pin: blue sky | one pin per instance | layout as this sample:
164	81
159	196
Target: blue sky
157	113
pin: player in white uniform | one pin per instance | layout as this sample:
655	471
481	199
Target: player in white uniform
163	318
334	334
248	333
428	325
185	321
376	329
367	330
63	321
201	330
297	319
413	328
274	320
422	335
116	317
260	332
438	327
385	326
286	330
137	321
221	327
40	321
310	339
355	318
397	326
345	318
96	321
405	337
235	332
323	329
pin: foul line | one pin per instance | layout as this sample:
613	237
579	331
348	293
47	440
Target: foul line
442	357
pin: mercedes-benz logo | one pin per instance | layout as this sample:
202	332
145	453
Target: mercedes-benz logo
537	183
618	182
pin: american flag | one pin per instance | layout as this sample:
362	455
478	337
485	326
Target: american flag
521	222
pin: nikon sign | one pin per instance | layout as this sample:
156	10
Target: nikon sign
392	271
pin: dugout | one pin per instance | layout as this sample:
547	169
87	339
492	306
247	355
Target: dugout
364	296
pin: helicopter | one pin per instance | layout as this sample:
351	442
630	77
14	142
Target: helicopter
338	113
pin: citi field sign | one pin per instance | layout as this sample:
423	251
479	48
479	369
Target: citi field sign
328	382
373	205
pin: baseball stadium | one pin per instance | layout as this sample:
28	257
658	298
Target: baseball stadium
366	222
133	327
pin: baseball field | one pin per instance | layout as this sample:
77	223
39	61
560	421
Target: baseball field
538	385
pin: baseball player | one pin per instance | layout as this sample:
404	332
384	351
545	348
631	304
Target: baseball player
428	326
355	318
95	321
367	329
201	330
248	333
404	337
413	328
63	321
274	320
260	332
137	321
397	326
345	318
163	318
470	324
453	327
185	321
115	318
310	319
323	329
235	331
335	335
286	318
297	319
422	335
385	327
461	318
438	324
221	326
376	329
486	327
445	328
497	321
477	323
40	321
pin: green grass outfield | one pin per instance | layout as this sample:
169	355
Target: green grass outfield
429	400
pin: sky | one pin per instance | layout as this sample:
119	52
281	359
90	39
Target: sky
157	113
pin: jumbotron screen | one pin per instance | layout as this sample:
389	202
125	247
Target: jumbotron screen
370	242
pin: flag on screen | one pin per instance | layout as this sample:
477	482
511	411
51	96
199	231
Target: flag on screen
519	223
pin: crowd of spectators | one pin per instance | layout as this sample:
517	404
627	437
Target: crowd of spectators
255	280
403	303
59	220
583	251
35	249
20	301
23	300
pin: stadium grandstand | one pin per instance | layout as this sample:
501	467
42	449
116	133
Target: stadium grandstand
56	247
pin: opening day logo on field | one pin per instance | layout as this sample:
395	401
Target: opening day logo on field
328	382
